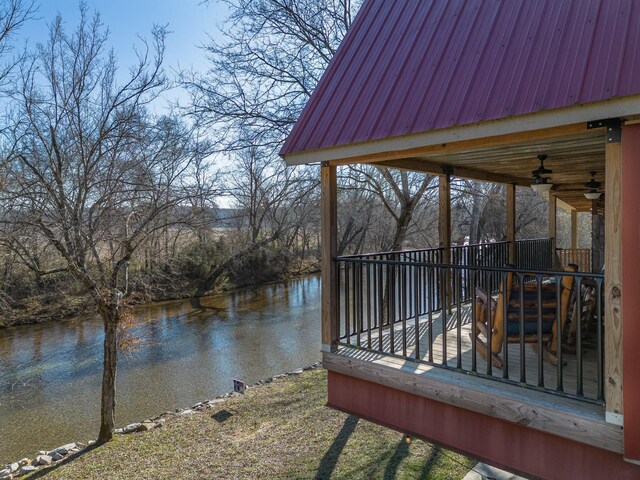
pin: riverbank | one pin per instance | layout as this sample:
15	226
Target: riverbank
53	307
50	374
281	429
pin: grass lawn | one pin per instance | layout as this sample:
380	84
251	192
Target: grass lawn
280	430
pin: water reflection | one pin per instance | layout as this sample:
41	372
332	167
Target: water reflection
190	350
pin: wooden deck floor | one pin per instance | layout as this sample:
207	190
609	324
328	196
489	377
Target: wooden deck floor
435	351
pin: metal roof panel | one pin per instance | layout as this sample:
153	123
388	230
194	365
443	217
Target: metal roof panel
410	66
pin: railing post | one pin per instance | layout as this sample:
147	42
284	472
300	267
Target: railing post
329	227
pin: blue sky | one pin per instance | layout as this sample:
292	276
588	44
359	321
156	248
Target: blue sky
190	21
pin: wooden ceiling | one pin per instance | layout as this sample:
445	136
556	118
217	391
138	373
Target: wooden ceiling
571	158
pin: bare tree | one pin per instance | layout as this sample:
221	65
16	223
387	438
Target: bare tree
399	191
13	14
479	212
531	214
90	172
205	188
266	197
271	57
356	217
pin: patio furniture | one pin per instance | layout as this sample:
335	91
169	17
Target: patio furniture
538	321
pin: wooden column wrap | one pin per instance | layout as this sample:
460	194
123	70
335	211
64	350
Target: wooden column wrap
329	227
613	283
444	220
511	222
444	230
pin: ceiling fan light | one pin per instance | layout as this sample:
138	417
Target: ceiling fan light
592	187
541	184
540	187
592	195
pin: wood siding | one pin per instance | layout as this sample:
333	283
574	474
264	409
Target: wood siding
498	442
631	281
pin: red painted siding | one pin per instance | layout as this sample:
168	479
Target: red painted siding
412	66
500	443
631	283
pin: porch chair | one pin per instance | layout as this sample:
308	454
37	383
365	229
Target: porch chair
549	310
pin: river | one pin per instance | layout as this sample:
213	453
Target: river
189	351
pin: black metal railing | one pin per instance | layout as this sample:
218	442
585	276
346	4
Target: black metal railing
494	254
391	303
536	254
393	281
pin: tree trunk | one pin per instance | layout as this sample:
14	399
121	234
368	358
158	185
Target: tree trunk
108	406
474	223
402	225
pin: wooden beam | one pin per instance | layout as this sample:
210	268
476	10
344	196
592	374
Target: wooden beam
564	205
569	187
574	229
470	145
329	228
511	222
429	166
613	284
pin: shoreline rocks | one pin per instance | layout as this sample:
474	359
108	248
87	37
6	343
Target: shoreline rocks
46	458
26	469
42	460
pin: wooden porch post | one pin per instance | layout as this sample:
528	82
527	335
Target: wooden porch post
444	223
574	229
511	222
329	227
553	204
613	277
444	232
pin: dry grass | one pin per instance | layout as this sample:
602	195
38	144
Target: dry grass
281	430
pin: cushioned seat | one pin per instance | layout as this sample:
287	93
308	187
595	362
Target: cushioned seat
530	328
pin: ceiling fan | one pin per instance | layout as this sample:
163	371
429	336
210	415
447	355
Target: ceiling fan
541	183
593	187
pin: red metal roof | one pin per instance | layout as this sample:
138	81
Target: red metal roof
410	66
